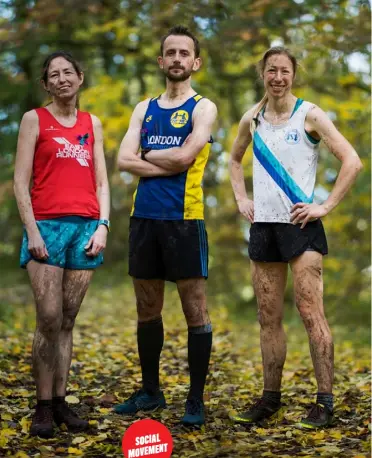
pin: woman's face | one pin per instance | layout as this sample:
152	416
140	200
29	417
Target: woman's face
63	80
278	75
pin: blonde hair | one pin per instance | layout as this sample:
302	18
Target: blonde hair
260	69
258	108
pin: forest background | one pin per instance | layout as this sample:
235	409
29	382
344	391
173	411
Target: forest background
117	43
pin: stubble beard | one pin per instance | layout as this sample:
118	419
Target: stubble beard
178	78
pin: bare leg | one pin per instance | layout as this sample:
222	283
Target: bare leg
75	285
46	282
308	286
149	297
194	301
269	280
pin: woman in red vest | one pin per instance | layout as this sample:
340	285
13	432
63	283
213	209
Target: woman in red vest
66	221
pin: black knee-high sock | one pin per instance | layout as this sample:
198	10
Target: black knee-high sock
199	348
150	339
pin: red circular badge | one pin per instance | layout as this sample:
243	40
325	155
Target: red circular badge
147	438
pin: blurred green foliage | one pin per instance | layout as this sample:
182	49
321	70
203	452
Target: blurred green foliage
118	42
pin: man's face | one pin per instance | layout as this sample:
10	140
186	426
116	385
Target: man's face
178	60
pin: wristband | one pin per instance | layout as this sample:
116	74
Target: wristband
105	222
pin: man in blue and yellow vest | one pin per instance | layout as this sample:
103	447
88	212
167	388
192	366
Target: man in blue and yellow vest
167	146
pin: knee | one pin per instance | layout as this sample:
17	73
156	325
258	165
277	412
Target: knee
147	311
269	319
196	316
49	324
68	322
315	321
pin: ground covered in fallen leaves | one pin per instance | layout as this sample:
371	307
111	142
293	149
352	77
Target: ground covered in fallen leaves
105	370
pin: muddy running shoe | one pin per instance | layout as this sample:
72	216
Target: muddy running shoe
319	416
141	401
62	413
261	410
42	422
194	414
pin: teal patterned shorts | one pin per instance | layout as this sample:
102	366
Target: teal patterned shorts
65	239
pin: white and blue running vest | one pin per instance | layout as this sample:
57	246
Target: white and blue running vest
284	166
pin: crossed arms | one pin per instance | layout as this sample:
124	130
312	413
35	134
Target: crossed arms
168	161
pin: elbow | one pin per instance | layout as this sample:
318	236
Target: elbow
359	165
233	163
17	186
122	165
184	160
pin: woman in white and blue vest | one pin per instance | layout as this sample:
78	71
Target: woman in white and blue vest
286	225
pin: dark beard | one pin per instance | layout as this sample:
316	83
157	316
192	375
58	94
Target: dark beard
177	78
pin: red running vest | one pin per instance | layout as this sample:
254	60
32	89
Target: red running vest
64	180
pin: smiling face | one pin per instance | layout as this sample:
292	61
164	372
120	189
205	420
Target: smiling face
178	60
63	81
278	75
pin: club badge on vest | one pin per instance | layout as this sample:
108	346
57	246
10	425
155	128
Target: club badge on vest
69	150
179	118
292	137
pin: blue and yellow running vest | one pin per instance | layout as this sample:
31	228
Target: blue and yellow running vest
179	196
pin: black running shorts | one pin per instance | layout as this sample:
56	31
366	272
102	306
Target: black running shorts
281	242
168	250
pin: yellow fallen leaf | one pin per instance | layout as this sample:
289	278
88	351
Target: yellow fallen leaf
3	441
25	423
16	350
78	440
101	437
6	416
261	431
46	450
336	435
6	432
72	399
21	455
74	451
104	410
319	435
328	449
24	393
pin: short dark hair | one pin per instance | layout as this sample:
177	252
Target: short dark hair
66	55
183	31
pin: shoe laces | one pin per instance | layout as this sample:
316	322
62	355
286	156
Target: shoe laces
193	406
315	411
43	414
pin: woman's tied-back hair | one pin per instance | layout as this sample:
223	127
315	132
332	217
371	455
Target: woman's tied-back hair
260	70
66	55
182	31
